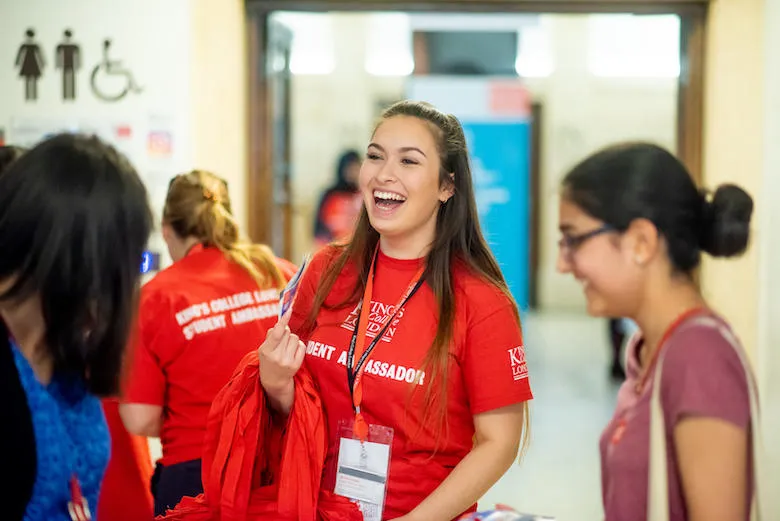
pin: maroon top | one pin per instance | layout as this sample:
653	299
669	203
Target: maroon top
702	376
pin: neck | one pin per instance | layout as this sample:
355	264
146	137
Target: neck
186	245
403	249
26	324
663	305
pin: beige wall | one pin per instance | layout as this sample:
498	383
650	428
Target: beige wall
581	113
219	100
734	146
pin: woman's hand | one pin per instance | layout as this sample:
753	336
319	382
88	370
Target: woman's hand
281	355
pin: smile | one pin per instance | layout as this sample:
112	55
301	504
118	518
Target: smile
388	196
386	203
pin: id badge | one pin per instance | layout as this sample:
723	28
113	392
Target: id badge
363	467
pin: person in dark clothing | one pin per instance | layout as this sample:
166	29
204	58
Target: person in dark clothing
617	337
341	203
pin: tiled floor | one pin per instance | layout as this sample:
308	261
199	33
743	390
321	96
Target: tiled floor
568	361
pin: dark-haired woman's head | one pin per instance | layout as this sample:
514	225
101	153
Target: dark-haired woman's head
632	213
74	221
347	171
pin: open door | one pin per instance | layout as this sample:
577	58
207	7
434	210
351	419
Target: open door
279	52
268	189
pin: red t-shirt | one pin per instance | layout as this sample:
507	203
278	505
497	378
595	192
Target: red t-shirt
487	369
339	213
702	376
197	320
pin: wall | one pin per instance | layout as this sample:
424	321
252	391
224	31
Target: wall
219	103
767	354
581	113
188	57
734	147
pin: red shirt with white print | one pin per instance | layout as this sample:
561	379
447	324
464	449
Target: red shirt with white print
197	319
487	370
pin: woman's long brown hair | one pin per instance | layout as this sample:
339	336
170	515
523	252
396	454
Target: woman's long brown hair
458	240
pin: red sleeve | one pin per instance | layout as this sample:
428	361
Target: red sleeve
703	376
146	380
308	287
493	358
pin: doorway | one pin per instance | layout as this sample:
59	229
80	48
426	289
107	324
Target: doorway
272	189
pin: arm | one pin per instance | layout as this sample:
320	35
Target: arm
710	452
496	380
142	419
141	407
706	404
498	436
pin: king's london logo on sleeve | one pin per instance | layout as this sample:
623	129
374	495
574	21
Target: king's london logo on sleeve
517	361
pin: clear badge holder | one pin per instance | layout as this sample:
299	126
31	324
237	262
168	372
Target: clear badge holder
363	468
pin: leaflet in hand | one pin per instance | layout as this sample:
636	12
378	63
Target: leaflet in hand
504	514
287	296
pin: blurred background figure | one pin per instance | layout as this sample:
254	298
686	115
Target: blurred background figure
340	205
617	337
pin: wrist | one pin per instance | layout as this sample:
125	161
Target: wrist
279	388
281	396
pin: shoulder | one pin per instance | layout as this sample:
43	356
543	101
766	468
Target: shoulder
477	297
707	344
287	268
703	373
324	258
164	280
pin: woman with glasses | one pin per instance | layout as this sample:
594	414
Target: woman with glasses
634	226
197	320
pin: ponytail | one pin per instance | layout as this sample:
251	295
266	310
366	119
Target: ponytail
198	206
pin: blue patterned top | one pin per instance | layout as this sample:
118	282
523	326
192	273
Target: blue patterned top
71	436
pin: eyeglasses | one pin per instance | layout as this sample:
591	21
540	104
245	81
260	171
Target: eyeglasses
568	244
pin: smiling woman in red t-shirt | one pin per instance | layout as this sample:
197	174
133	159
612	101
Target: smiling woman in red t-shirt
197	320
410	329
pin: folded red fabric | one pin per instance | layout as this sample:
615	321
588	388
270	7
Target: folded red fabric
255	467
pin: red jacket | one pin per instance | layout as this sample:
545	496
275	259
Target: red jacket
254	468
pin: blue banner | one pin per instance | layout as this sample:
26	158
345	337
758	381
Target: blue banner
501	166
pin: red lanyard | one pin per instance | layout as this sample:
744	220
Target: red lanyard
617	435
664	339
358	353
78	508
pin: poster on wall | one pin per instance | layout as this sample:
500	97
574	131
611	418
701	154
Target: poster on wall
28	132
496	118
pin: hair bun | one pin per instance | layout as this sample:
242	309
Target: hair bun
726	221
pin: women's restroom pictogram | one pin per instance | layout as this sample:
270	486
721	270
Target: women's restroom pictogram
30	61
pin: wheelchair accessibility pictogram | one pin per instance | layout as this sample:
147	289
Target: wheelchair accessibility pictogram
110	80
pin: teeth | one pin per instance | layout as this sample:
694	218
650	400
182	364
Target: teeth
389	195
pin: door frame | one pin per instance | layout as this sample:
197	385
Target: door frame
690	114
